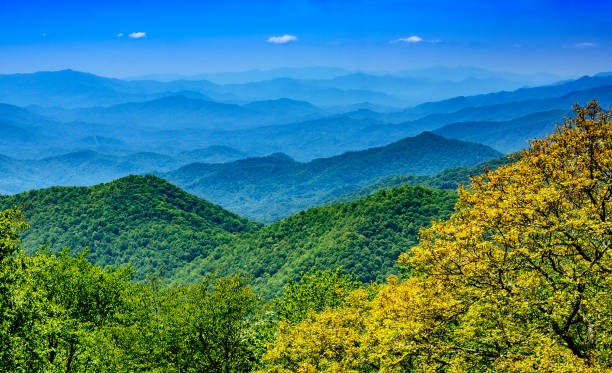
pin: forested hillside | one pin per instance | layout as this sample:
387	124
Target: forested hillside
506	136
363	237
155	226
144	221
517	279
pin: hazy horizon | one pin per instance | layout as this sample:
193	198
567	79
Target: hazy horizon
286	71
127	39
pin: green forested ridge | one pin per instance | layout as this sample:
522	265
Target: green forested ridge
142	220
364	237
154	225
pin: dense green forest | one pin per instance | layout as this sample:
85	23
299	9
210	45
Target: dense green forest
292	186
158	228
363	237
144	221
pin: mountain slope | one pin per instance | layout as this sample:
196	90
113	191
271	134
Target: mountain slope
167	112
284	110
156	226
304	140
140	220
72	89
305	90
505	136
273	187
510	104
211	154
23	132
414	89
522	94
497	112
180	112
364	237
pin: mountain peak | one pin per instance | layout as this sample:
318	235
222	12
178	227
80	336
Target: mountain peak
281	156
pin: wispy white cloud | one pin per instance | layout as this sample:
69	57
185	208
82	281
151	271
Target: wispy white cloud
120	35
411	39
585	44
281	39
137	35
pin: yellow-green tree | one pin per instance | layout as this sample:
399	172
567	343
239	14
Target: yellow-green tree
518	279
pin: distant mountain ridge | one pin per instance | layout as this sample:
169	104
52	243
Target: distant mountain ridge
503	116
71	89
522	94
506	136
180	112
305	140
272	187
298	128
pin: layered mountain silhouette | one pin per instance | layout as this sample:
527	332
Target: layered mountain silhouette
272	187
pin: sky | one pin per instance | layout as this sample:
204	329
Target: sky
134	37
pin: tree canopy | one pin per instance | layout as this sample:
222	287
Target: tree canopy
517	279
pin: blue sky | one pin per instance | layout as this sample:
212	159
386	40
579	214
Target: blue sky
133	37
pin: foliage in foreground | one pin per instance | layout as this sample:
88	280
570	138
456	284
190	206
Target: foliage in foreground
60	313
518	279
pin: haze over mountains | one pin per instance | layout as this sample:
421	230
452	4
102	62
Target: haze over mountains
325	72
88	167
70	88
290	127
276	186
